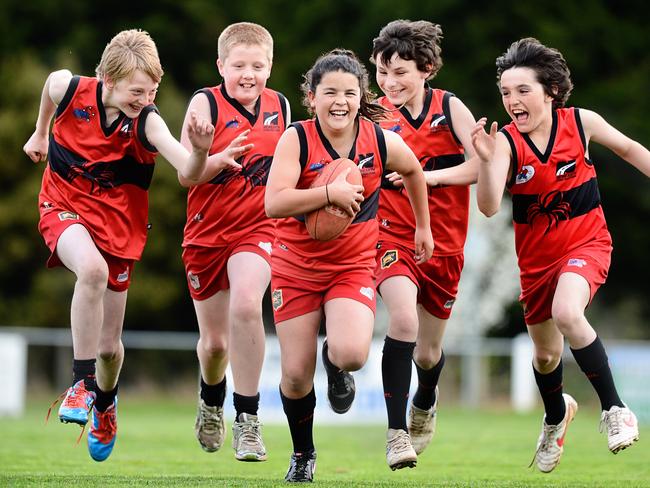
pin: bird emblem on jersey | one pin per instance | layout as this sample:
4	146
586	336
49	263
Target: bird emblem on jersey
551	207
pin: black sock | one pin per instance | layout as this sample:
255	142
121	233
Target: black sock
330	368
593	363
84	369
105	398
300	415
213	395
425	395
245	404
396	377
550	388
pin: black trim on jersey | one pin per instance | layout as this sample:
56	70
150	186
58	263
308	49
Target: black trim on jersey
514	162
416	123
214	109
328	147
102	174
381	144
69	93
142	136
284	103
556	205
107	130
368	209
302	139
581	130
252	118
543	158
446	110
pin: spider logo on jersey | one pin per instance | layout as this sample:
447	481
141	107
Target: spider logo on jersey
551	207
389	258
84	113
99	175
255	172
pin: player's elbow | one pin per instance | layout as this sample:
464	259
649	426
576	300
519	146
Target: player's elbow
271	209
488	210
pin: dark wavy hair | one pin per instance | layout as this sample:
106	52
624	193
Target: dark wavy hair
417	41
347	62
549	65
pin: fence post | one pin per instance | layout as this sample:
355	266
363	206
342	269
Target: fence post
523	392
13	373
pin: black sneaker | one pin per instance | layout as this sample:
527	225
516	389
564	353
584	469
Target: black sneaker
301	467
340	385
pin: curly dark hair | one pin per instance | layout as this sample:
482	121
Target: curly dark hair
417	41
347	62
549	65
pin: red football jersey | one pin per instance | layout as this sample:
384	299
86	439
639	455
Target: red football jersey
555	197
101	173
231	205
431	138
357	244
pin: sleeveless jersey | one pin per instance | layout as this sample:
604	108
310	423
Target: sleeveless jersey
357	244
555	198
432	139
231	205
101	173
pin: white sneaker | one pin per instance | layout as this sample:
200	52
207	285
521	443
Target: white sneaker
399	451
551	441
247	438
622	428
210	427
422	425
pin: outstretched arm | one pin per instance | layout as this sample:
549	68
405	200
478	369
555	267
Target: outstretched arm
53	92
598	130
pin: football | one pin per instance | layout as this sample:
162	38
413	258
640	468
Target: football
330	221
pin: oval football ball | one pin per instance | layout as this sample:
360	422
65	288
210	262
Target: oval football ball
330	221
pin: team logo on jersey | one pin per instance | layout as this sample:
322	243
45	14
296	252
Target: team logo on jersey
385	223
233	123
565	170
276	299
124	276
389	258
449	303
193	280
317	166
396	127
438	123
85	113
126	131
271	121
67	215
551	208
265	246
367	292
526	174
578	263
47	205
198	217
366	164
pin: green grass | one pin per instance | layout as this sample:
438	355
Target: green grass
156	447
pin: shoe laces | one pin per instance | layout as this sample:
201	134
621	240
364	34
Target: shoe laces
340	383
400	442
107	423
549	432
611	421
420	419
249	431
210	418
301	466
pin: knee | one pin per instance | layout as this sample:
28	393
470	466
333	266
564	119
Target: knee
295	382
214	346
93	275
246	310
403	323
566	316
427	355
109	353
546	359
349	358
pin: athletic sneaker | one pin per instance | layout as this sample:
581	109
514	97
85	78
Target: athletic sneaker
301	467
422	425
210	427
247	438
103	431
622	428
551	441
77	403
340	387
399	451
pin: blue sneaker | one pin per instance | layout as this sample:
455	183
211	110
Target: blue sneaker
77	403
102	433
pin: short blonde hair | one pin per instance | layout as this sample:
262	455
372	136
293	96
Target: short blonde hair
128	51
245	33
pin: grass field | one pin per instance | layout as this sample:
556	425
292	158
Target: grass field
156	447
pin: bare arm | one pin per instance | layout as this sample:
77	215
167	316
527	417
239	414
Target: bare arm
598	130
190	165
402	160
53	91
494	153
283	199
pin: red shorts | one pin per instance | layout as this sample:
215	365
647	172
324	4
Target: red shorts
55	221
207	267
437	279
537	294
292	296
